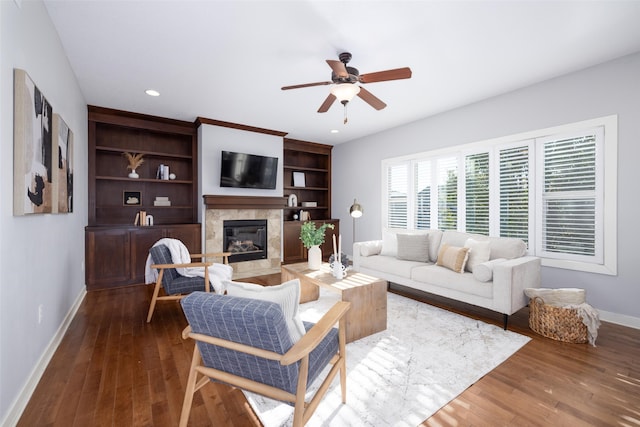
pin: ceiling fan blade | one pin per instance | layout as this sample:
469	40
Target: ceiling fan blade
338	68
371	99
306	85
381	76
327	103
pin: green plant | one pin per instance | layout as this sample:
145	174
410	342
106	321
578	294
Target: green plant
312	236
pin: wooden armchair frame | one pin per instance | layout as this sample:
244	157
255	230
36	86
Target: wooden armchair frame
298	353
162	267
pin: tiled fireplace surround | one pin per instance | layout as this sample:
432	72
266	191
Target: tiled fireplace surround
221	208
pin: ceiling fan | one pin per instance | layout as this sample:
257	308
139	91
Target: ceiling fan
346	78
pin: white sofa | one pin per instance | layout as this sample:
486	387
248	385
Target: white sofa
496	273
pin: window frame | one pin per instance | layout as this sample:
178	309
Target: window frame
606	182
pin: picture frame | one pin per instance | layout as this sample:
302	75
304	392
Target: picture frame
131	198
298	179
34	175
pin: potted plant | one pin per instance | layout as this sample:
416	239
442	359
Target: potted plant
312	237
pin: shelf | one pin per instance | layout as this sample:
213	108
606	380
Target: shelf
305	169
304	208
144	152
286	187
153	180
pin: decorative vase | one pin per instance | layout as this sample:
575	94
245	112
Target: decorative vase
133	174
315	257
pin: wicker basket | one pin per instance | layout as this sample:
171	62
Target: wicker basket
558	323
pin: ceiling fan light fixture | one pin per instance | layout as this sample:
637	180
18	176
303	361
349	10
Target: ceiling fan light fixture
345	92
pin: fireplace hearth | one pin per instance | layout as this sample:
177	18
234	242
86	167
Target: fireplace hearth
245	239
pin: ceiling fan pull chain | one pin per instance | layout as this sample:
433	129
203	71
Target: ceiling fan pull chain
345	114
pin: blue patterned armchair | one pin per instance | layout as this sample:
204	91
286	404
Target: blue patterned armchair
245	343
176	286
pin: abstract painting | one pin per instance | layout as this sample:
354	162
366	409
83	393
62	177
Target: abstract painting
64	170
33	148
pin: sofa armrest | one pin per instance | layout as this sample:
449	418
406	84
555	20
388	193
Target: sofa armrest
510	278
358	250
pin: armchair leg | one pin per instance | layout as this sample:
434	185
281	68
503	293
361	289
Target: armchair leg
154	298
190	389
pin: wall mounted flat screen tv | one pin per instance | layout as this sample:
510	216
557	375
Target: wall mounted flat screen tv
248	171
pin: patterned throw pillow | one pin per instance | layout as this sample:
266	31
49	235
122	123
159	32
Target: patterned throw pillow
453	257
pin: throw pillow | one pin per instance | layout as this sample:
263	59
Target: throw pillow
453	257
287	295
413	247
370	248
483	272
479	251
389	243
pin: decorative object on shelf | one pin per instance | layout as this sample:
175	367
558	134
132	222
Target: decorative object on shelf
149	220
298	179
135	160
162	201
131	198
163	172
338	269
305	216
292	201
311	236
309	204
356	212
172	176
141	219
33	169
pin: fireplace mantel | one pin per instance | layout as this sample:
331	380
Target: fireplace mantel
244	202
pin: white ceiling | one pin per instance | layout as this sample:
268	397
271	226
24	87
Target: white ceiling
227	60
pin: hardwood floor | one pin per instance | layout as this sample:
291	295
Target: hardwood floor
113	369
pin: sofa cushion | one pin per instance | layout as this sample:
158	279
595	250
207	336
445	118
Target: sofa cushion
445	278
479	251
501	247
453	257
390	265
507	247
484	271
286	295
413	247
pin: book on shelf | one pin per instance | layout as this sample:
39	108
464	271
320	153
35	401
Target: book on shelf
161	203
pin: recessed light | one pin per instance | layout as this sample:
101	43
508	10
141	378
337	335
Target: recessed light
152	92
334	131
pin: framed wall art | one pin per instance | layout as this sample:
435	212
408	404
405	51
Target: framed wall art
33	148
63	165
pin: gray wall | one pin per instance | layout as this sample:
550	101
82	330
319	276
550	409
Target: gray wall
41	256
610	88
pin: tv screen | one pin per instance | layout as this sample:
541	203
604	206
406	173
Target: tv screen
248	171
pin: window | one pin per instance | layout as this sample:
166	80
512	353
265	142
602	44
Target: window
545	187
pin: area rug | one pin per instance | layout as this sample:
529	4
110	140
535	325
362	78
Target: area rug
401	376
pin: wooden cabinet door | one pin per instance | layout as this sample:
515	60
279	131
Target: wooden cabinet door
189	234
108	258
142	239
292	250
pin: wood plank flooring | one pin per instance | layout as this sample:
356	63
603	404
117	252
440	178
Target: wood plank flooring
113	369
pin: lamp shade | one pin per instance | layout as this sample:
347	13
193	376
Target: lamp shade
355	210
345	91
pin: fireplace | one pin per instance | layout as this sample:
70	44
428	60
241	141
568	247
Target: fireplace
246	239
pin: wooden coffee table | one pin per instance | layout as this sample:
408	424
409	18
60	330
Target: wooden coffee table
367	295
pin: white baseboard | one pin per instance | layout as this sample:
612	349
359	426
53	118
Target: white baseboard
21	401
620	319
